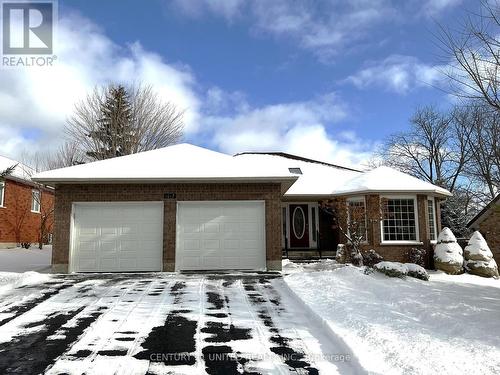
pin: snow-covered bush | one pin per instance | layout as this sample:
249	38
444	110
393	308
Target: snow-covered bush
448	255
416	271
371	257
479	258
392	269
417	255
355	257
340	255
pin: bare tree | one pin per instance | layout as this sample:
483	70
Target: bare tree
434	149
350	218
38	162
145	122
481	132
475	53
17	221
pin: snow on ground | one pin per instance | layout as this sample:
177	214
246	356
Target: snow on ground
11	280
448	325
23	260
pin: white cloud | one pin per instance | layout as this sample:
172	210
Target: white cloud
299	128
431	8
326	28
396	73
229	9
35	102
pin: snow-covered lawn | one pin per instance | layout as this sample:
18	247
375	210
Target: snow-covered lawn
161	324
23	260
448	325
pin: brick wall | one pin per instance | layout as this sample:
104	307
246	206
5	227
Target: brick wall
67	194
16	213
397	252
490	229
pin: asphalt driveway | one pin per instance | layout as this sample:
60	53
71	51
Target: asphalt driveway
162	323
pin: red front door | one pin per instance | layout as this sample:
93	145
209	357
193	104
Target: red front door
299	225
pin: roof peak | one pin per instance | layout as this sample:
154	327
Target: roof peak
296	157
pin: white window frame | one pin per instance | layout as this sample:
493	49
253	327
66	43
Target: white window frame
36	206
358	199
2	194
312	244
429	198
417	231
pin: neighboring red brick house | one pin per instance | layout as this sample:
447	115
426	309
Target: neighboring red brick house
26	208
488	223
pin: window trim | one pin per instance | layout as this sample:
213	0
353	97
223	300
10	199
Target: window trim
417	230
2	197
430	198
360	198
33	192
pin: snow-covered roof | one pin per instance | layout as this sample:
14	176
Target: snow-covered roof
21	171
179	163
317	178
388	180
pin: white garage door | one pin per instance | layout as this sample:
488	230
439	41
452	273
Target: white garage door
220	235
117	237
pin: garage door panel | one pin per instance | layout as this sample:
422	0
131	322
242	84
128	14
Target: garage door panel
117	237
219	234
211	244
212	262
191	245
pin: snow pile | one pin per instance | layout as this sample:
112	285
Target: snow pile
11	280
479	258
396	326
392	269
417	271
289	266
448	255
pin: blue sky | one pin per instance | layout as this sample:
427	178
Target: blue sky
325	79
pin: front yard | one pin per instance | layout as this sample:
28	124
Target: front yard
314	318
448	325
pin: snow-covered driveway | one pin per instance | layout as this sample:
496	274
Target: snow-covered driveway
163	323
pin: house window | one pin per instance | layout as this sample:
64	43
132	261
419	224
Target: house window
431	219
35	201
399	222
2	192
356	215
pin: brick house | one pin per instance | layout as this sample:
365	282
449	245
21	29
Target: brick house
187	208
487	221
24	207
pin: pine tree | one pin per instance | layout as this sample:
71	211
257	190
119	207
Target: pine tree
115	132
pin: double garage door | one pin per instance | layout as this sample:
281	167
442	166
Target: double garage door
128	237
